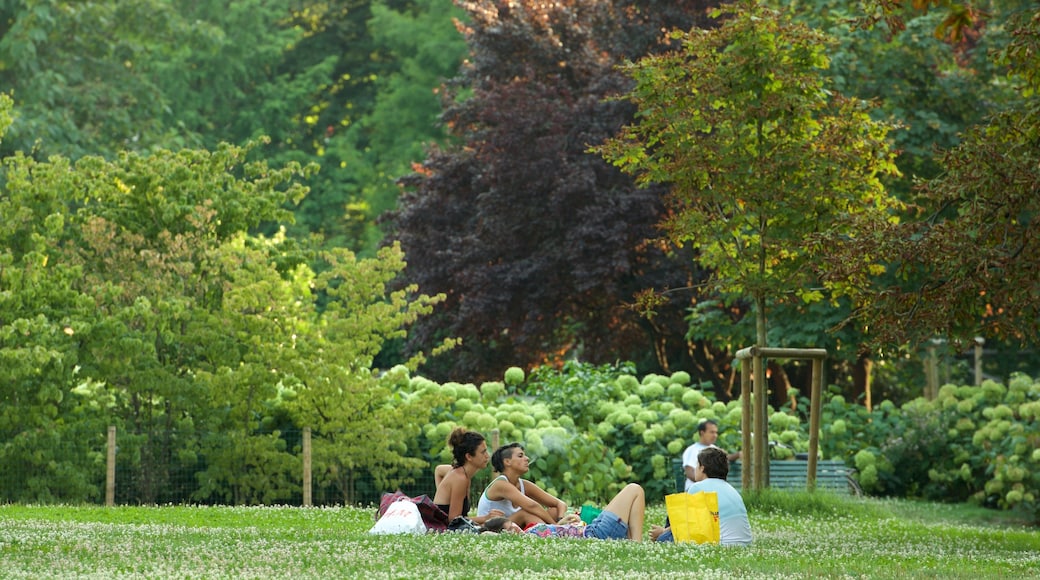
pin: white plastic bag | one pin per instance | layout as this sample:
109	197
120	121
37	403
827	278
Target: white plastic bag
402	517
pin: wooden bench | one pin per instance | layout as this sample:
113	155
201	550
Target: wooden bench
831	475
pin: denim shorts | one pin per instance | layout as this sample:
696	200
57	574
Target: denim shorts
607	526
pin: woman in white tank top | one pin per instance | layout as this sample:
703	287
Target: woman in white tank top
519	499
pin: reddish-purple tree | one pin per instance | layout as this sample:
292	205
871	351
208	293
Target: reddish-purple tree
538	243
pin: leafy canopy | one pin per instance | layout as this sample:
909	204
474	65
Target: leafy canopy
759	153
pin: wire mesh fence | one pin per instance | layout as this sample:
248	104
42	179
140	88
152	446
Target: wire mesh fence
110	468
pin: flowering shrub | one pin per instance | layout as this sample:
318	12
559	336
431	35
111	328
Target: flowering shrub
592	429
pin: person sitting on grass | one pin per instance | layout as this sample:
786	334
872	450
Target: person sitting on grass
621	519
470	456
734	527
518	499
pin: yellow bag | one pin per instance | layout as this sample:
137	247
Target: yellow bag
694	517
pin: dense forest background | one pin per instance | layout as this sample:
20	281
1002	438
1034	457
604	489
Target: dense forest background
542	252
431	157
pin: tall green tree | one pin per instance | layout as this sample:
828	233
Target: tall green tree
760	155
75	73
51	429
351	85
147	239
375	114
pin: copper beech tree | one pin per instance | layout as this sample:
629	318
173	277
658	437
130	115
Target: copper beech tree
537	243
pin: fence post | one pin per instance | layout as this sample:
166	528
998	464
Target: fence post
931	373
760	393
110	472
307	467
747	450
815	413
760	441
979	341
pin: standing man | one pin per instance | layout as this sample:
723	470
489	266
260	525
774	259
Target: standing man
708	430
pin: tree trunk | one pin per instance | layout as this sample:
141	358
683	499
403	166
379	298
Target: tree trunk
862	373
781	385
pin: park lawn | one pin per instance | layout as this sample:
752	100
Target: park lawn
796	536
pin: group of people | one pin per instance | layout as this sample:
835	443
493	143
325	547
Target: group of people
511	503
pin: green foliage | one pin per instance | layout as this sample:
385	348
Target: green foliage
577	387
133	295
79	74
759	152
956	267
368	113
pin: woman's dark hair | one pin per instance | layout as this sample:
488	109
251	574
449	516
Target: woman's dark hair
494	524
463	442
501	454
714	462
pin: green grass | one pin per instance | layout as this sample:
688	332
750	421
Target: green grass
796	536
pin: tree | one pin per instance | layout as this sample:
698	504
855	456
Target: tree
360	424
134	295
49	429
350	85
759	154
536	243
965	267
74	71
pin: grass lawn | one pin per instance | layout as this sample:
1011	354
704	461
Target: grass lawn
796	536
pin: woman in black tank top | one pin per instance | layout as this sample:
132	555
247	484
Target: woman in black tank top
470	454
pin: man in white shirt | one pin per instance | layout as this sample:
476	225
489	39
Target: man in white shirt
709	433
734	527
